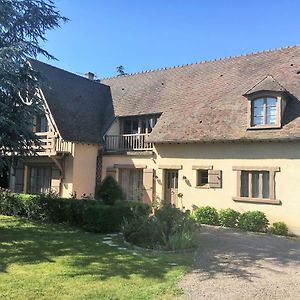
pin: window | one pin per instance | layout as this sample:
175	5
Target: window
130	126
202	177
131	181
264	112
256	184
39	179
208	178
141	125
40	124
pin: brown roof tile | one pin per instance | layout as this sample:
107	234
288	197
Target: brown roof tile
81	108
204	102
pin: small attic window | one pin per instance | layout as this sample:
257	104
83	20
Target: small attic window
264	111
267	101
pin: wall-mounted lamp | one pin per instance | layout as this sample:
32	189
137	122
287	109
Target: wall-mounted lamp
156	177
184	178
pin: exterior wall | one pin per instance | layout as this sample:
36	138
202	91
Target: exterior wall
115	128
84	169
224	157
67	181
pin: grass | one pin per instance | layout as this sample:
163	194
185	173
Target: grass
48	261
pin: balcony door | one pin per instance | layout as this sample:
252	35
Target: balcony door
131	181
39	180
171	187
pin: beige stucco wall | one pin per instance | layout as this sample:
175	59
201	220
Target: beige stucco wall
224	157
84	169
115	128
67	181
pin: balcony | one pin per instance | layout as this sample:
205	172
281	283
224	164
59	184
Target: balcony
52	144
127	142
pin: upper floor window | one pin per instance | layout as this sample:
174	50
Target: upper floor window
264	111
267	101
138	125
40	124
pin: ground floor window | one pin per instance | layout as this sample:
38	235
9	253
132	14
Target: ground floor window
256	184
39	180
202	178
131	181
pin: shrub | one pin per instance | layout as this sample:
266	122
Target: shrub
280	228
108	218
168	229
228	217
206	215
90	214
109	191
253	221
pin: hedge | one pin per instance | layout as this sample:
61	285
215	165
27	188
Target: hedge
89	214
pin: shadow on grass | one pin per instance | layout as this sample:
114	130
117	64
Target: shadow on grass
236	253
82	253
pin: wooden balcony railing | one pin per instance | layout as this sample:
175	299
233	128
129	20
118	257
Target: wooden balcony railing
51	144
127	142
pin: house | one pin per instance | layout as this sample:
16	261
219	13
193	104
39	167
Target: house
224	133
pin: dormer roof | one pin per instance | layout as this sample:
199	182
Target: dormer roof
268	84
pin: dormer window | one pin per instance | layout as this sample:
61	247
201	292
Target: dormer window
264	111
266	104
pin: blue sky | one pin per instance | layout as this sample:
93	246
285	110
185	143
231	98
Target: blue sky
143	35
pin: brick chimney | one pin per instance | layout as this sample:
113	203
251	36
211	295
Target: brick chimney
89	75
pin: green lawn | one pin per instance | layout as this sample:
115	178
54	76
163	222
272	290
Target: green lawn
46	261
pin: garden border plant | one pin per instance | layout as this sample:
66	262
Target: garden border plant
168	229
89	214
255	221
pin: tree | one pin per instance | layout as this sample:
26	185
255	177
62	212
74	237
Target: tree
121	71
23	24
109	191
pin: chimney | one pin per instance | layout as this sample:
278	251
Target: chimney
89	75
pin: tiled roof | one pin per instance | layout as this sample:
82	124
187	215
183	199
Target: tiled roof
269	83
204	102
80	107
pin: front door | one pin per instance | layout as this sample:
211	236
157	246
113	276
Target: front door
171	186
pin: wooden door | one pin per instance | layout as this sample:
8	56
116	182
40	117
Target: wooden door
171	186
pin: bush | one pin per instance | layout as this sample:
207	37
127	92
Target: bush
206	215
109	191
228	217
169	229
90	214
108	218
253	221
280	228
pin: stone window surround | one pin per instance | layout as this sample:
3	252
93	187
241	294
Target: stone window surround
272	198
281	100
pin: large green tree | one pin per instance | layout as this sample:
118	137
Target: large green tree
23	24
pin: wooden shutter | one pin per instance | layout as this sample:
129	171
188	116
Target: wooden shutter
148	185
111	172
215	178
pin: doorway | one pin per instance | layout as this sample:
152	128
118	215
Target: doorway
171	187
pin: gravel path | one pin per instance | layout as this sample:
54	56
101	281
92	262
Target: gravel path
232	264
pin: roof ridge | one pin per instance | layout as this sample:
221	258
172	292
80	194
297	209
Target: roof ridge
200	62
61	69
